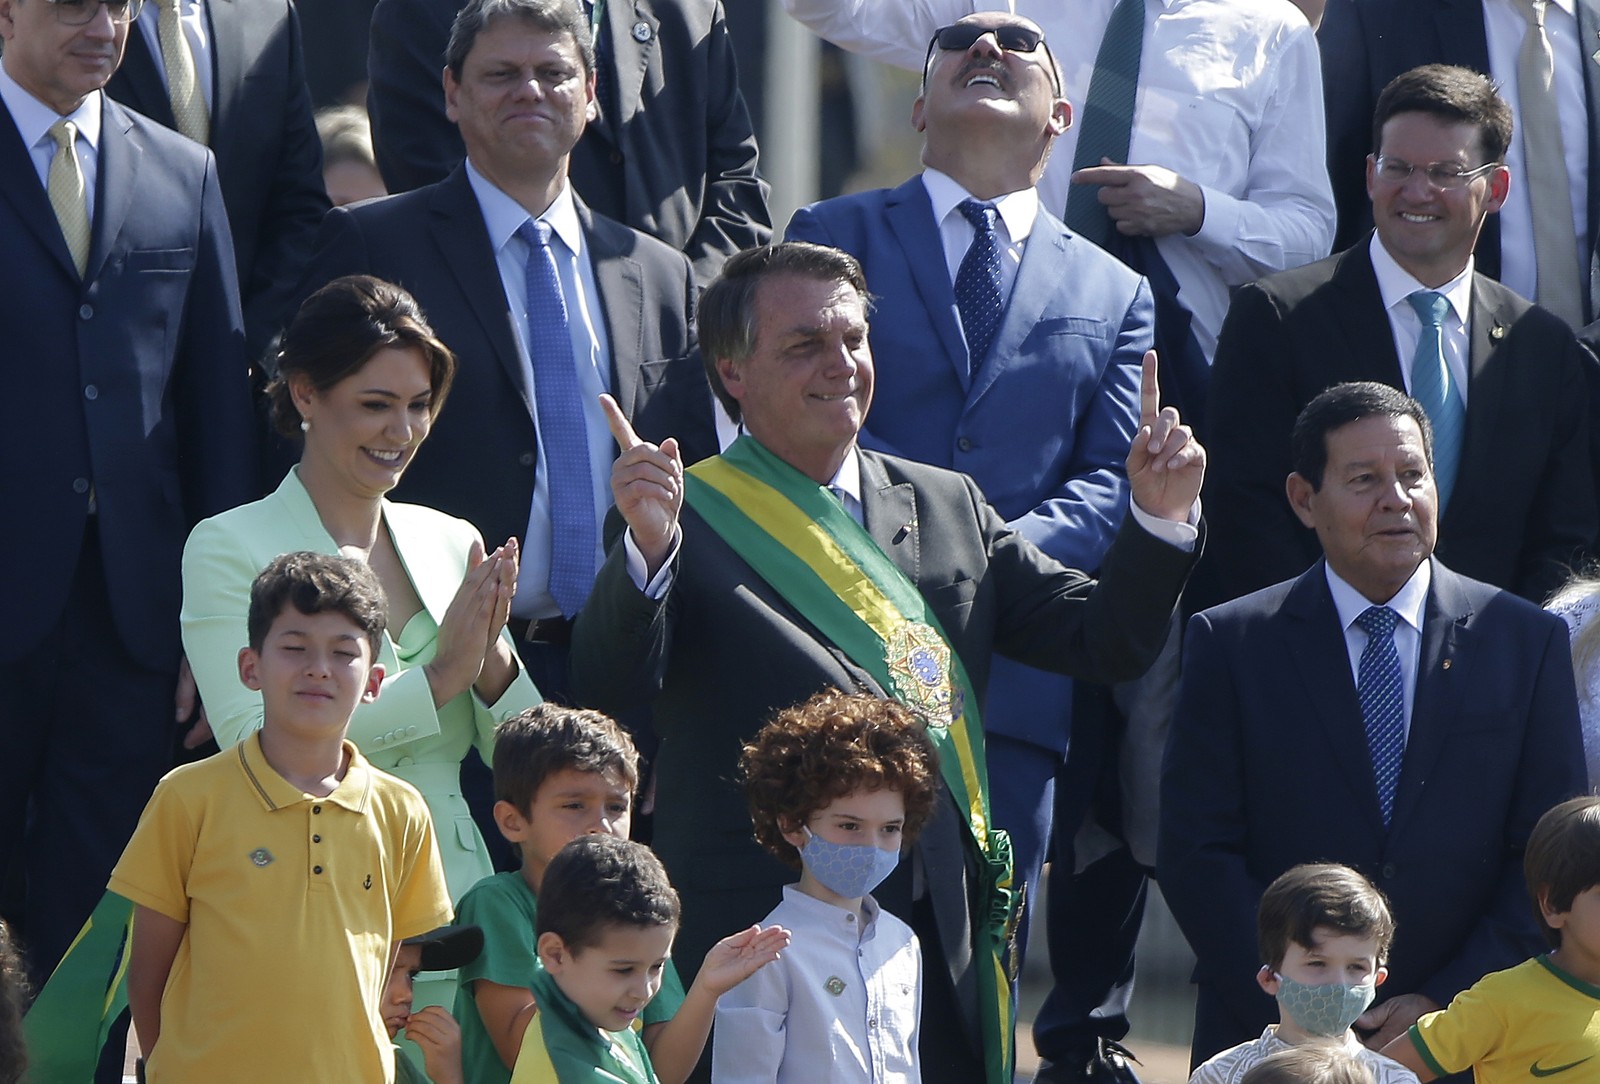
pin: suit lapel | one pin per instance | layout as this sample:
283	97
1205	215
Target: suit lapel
889	514
229	63
1369	353
1038	278
1589	49
619	280
27	195
910	216
120	160
1488	391
140	72
630	59
463	240
1317	646
1441	687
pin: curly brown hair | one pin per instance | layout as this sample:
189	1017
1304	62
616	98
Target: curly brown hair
13	1003
833	745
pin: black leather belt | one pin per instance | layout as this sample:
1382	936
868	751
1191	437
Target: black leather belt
556	631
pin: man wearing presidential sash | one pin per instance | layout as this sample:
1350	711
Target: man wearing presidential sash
802	562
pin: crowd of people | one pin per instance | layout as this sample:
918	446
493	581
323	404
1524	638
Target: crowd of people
535	569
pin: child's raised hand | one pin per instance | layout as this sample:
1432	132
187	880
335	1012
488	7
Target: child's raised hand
737	957
438	1036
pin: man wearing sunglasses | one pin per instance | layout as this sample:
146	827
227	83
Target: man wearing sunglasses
124	355
1034	394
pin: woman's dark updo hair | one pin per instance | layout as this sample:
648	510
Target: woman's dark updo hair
339	328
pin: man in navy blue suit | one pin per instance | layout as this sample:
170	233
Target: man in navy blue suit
1283	750
1034	396
126	362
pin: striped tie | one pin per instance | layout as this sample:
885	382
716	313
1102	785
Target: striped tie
1107	117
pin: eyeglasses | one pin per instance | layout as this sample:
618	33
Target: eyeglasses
79	12
1009	36
1445	176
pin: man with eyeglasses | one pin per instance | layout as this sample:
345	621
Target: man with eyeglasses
1009	350
125	361
1508	399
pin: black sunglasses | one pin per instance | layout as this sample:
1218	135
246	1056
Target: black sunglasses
1009	36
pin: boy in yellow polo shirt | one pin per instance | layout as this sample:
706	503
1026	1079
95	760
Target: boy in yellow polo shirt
274	880
1541	1018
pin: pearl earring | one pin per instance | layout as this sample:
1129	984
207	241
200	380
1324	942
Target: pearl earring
305	425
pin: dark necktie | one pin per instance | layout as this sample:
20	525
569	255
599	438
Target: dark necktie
562	432
978	296
1107	116
1380	690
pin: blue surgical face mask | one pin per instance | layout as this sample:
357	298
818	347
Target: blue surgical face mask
851	870
1324	1009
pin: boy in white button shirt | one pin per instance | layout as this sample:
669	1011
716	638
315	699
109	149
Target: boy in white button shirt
837	786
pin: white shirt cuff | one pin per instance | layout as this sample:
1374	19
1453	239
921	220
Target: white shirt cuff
1182	535
637	570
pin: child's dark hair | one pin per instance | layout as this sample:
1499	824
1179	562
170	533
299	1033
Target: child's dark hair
533	745
13	1002
828	747
315	583
1321	895
598	881
1562	859
1314	1063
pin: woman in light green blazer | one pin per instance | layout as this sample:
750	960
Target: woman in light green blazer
361	378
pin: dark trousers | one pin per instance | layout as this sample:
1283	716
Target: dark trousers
86	733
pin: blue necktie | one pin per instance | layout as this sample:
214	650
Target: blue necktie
1432	387
1107	116
563	433
1382	701
978	296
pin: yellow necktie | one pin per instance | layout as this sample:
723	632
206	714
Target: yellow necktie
67	196
183	86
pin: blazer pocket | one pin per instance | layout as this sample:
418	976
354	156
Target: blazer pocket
1086	326
161	260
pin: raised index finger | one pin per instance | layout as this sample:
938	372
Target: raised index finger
621	428
1149	391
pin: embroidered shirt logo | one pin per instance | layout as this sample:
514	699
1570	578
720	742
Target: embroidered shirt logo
261	857
368	883
1538	1070
834	985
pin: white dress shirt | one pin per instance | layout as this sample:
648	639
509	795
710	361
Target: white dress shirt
1395	284
591	350
33	120
1230	1066
1410	602
1014	215
192	17
1230	97
1506	28
842	1002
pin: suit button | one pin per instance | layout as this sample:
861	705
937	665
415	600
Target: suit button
85	311
80	485
526	459
964	444
1387	872
91	393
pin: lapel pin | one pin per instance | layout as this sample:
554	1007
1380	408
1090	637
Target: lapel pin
1497	332
1447	664
641	32
261	857
834	985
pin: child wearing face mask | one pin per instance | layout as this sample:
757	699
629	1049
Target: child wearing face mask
1324	932
837	786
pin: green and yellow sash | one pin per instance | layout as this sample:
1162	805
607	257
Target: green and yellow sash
798	538
70	1019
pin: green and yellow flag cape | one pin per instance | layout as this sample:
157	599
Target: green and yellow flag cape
561	1047
68	1022
798	538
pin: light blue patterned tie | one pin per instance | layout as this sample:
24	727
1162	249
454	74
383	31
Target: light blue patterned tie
1107	116
562	432
1382	705
1432	387
978	296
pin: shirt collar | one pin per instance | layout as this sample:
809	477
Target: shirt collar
1016	209
1395	283
504	216
276	792
848	477
1409	602
828	914
33	118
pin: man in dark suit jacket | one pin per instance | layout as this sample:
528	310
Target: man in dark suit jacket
718	648
261	130
450	244
1523	507
670	151
1366	43
1274	760
127	364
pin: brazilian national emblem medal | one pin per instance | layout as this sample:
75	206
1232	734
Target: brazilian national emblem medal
919	664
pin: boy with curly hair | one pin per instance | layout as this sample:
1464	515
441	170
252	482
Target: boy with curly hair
837	786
